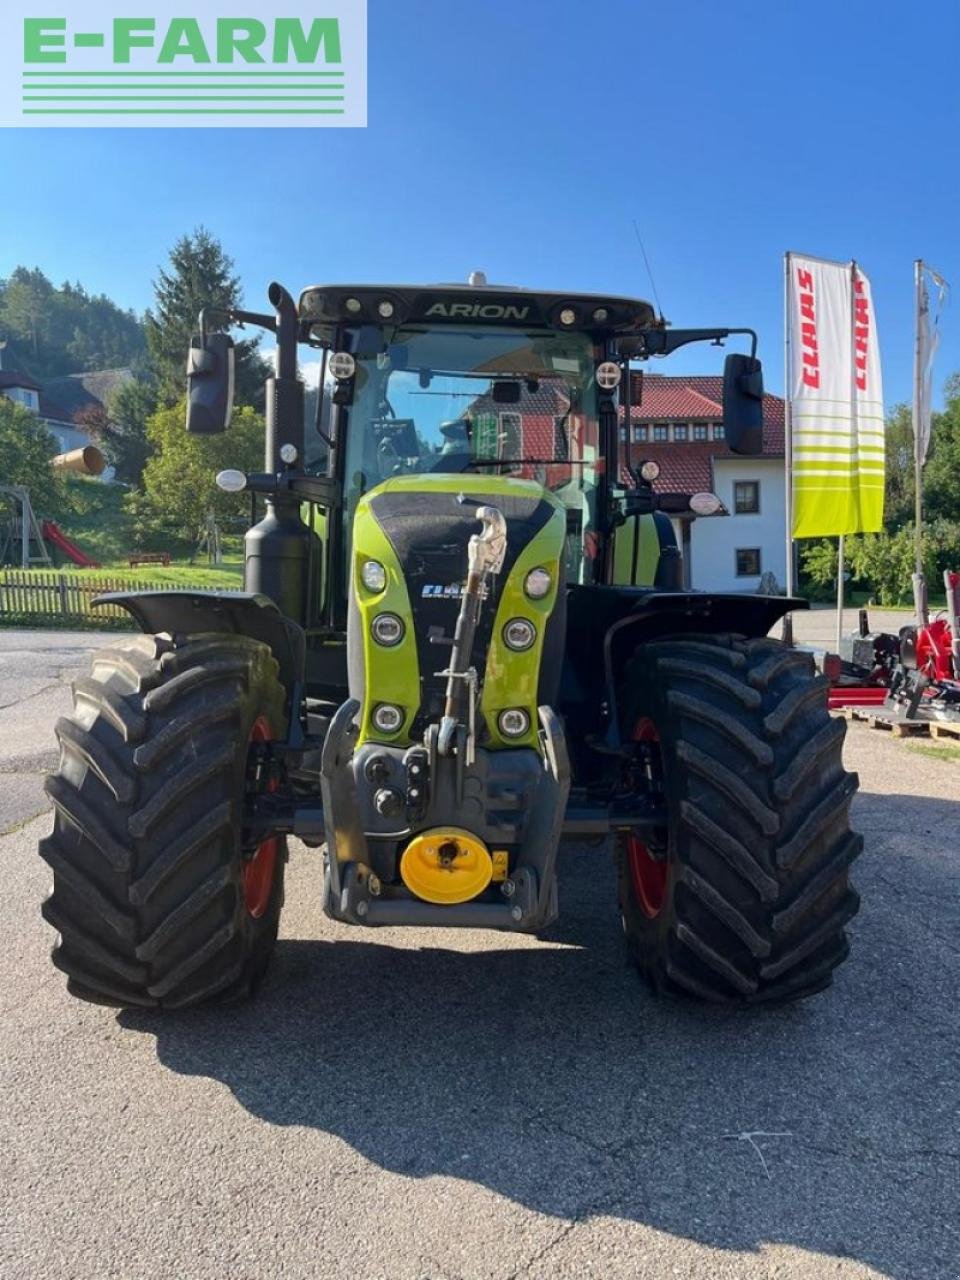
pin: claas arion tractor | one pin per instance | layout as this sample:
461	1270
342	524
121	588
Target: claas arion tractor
464	637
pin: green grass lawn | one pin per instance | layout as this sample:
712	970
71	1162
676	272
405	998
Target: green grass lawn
101	527
937	751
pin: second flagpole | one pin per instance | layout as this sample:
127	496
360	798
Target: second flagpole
919	583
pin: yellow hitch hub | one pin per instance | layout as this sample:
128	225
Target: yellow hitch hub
446	865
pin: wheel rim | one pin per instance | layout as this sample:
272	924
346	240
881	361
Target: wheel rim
647	873
257	873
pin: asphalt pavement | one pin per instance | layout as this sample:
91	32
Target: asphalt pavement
425	1104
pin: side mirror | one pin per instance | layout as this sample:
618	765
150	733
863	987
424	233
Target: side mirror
209	384
743	403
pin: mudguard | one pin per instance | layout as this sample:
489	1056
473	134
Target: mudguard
233	612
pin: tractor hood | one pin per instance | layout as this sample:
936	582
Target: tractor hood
418	528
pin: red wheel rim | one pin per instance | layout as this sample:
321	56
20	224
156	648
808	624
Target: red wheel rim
647	873
256	876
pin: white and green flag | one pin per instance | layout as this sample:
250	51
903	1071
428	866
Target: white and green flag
835	397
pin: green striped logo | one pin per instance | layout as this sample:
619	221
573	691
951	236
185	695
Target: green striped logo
100	67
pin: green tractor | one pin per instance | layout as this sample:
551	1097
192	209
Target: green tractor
464	636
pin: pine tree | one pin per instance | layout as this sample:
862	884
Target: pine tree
200	274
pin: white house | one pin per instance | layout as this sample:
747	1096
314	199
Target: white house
678	423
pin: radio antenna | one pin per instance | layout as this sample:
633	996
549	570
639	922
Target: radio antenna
646	263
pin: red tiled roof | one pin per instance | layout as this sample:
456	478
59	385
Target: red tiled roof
672	399
661	390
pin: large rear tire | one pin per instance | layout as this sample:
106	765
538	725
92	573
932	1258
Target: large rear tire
157	897
744	896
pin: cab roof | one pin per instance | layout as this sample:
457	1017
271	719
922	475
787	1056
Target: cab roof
499	305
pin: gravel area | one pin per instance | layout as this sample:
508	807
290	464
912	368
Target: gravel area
425	1104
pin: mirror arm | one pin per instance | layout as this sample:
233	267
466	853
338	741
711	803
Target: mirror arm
235	316
662	342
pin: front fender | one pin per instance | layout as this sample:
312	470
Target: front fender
652	615
234	612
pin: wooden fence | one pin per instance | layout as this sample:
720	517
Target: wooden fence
39	594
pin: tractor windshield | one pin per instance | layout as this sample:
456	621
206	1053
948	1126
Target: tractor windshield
476	400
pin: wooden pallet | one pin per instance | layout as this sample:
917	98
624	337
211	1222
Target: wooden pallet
945	729
899	727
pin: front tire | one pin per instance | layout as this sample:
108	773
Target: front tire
158	898
744	895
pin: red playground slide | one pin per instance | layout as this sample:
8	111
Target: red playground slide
52	533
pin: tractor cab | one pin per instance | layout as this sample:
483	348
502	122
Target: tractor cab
494	381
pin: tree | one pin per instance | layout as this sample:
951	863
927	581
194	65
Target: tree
120	427
200	274
24	308
57	331
26	448
941	476
898	498
180	477
129	410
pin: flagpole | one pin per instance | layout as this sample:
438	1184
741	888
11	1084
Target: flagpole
787	633
840	593
919	585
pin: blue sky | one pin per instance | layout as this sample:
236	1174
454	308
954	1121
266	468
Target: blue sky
525	138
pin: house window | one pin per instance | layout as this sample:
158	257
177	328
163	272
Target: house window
623	435
680	432
699	431
639	435
561	447
748	562
717	431
509	436
661	433
746	497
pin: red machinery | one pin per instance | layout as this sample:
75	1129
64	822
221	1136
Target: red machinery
915	673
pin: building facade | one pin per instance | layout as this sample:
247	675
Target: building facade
677	422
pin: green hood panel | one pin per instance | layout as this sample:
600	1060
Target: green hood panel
418	528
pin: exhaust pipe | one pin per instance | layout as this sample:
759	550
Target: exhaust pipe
88	461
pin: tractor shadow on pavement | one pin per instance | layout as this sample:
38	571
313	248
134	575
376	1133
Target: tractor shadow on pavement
549	1075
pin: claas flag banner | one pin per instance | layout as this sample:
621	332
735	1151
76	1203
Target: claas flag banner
836	400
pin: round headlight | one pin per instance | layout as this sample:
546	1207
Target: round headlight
387	718
387	629
342	365
600	315
537	584
514	722
608	375
650	470
705	504
231	481
385	309
288	454
373	575
353	305
519	634
568	316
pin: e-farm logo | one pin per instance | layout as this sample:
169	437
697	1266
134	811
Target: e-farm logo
119	65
